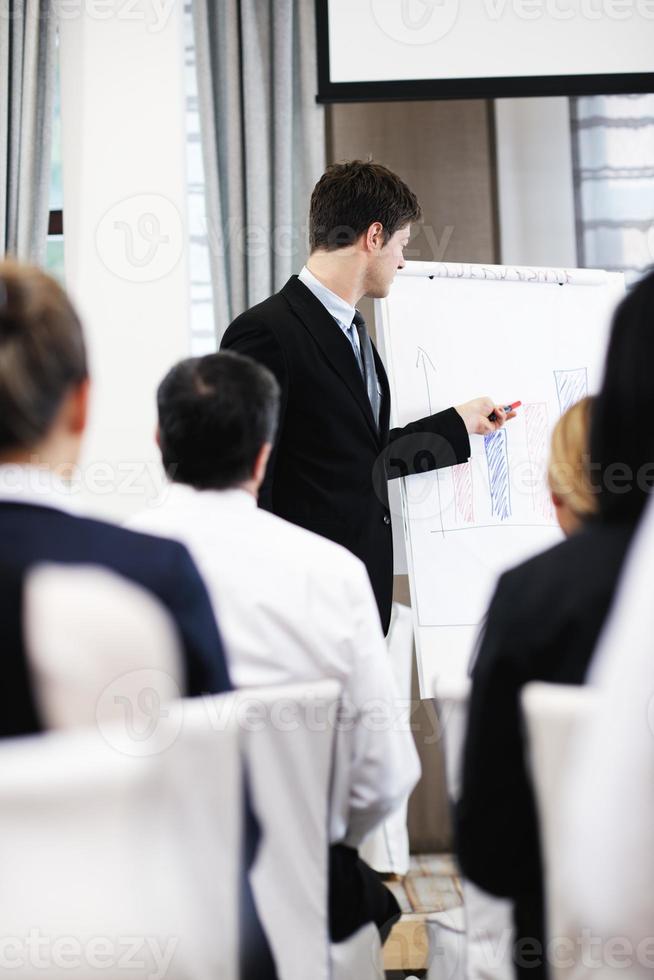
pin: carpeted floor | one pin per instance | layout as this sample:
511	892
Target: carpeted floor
431	886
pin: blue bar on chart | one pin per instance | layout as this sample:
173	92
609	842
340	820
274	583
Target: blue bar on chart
571	387
497	458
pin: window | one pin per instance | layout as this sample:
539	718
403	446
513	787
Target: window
54	259
203	333
613	141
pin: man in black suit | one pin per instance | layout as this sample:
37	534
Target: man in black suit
43	404
334	452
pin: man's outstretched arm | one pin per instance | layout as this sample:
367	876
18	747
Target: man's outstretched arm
440	440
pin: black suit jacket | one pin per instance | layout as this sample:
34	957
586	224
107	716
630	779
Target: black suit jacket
330	465
543	624
33	534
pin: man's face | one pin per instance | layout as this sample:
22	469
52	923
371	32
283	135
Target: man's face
385	263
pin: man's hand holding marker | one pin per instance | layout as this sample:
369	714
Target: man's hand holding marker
481	416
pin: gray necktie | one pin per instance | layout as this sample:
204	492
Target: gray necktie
369	372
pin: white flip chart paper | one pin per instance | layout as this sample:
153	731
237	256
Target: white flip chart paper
449	333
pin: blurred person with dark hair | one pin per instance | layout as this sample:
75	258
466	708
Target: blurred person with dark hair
622	435
292	605
44	388
606	857
331	460
546	616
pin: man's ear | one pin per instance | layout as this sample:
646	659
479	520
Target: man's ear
261	463
556	500
157	436
79	407
374	239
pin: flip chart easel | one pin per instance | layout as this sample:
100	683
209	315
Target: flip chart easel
448	333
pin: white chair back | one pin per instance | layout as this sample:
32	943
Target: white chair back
359	957
489	920
119	862
451	697
97	643
386	849
554	714
287	735
446	935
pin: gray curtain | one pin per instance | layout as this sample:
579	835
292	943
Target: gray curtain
613	145
263	142
27	81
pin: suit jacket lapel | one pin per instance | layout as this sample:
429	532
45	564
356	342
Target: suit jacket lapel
332	341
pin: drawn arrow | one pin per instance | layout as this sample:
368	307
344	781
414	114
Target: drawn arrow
424	359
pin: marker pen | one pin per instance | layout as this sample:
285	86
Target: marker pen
507	408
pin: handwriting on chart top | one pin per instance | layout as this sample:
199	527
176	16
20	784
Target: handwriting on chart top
500	273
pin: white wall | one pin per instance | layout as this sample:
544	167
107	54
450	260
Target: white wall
123	135
535	182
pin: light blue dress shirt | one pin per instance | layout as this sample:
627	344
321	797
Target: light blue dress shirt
342	312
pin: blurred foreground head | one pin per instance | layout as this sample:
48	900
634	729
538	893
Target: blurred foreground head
569	472
43	369
217	421
622	430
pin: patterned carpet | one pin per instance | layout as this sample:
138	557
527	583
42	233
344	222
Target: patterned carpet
431	886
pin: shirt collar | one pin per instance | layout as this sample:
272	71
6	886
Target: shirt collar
25	483
234	497
336	305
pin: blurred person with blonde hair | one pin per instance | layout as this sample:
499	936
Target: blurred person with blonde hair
568	473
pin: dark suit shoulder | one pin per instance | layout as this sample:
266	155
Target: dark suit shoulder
126	537
585	563
279	315
35	534
265	314
274	315
555	603
56	533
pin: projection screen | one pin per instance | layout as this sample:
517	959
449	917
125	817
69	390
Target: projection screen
408	49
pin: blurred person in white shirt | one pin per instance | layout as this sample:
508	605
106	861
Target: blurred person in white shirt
293	606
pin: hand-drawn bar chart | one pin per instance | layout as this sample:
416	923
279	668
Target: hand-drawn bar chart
449	333
502	451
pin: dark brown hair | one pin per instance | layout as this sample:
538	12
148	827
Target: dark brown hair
349	197
622	434
42	353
